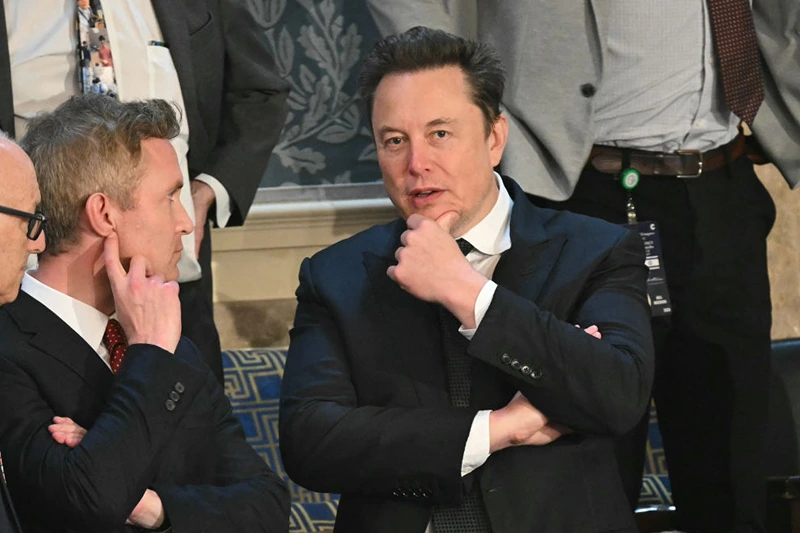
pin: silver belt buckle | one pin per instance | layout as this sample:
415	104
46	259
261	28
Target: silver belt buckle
699	163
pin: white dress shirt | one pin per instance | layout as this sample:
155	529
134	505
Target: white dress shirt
661	89
43	43
490	238
85	320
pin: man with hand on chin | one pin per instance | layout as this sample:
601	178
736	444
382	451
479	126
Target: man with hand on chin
435	376
109	419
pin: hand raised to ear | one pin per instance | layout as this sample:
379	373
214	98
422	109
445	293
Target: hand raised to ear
147	307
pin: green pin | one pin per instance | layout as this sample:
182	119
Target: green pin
629	178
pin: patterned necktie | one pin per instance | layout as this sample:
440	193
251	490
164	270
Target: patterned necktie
95	62
116	343
470	516
737	52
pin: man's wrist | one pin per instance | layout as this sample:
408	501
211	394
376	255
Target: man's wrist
460	299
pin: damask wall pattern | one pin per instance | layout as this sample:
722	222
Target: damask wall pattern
318	46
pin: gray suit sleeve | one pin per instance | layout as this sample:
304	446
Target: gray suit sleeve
777	124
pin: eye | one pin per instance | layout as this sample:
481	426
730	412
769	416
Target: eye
393	142
441	134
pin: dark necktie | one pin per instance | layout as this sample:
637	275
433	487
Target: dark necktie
116	343
470	516
738	56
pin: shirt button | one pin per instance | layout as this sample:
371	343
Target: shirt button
169	405
179	387
588	90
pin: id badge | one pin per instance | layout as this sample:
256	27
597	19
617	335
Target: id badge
657	293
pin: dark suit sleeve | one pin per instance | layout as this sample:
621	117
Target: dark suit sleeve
94	486
592	386
246	496
331	444
253	110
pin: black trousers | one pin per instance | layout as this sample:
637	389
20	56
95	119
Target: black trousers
712	353
197	312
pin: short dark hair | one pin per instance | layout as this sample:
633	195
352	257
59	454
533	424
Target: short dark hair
91	143
422	48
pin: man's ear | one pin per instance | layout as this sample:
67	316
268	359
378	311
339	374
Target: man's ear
497	139
101	214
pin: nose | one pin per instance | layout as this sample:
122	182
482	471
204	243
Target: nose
184	225
38	245
419	158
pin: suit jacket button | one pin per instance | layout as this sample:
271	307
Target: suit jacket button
174	396
536	373
179	388
525	369
505	359
169	405
588	90
396	493
515	364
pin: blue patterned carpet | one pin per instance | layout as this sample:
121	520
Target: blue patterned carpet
253	382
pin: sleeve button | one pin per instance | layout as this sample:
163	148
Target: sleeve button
179	388
525	369
536	373
169	405
515	364
505	359
174	396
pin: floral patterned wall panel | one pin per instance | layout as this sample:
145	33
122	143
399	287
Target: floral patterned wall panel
318	46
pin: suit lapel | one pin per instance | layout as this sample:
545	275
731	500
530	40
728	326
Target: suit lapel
6	95
54	337
525	267
406	326
171	17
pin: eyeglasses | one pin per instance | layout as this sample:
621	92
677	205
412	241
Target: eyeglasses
36	220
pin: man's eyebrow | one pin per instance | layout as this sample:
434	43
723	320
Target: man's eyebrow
442	121
388	129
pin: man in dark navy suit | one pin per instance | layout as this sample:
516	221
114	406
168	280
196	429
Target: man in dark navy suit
443	392
93	341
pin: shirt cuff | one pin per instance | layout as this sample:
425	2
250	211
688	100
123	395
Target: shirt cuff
222	201
476	452
482	304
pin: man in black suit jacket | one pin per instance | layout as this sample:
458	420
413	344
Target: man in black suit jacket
162	447
232	97
20	226
367	405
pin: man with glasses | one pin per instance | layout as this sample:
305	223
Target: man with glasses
21	222
21	225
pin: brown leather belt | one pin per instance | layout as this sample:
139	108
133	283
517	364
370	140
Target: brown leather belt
680	164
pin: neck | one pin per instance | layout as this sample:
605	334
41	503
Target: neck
80	274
